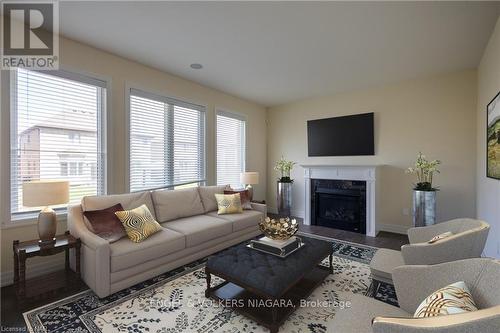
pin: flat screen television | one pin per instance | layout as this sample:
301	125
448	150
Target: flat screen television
341	136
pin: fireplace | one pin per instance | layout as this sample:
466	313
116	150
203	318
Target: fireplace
339	204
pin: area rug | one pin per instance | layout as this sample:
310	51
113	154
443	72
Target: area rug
174	302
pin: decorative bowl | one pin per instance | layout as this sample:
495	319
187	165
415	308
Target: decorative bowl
281	229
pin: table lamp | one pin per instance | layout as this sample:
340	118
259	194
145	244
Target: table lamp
249	179
45	193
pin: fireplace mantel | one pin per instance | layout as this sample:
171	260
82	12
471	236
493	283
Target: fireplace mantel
367	173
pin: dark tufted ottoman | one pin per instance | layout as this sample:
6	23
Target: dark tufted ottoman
264	287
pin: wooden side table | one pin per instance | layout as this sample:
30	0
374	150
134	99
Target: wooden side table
50	283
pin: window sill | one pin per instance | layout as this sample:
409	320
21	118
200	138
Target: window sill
27	220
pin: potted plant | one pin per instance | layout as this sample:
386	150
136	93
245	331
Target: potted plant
284	186
424	194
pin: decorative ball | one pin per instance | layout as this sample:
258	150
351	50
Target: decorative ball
281	229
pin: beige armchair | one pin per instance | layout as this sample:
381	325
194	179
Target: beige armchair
468	241
413	284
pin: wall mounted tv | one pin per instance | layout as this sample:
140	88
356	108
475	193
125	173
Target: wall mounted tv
341	136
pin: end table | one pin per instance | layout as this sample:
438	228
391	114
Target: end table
50	283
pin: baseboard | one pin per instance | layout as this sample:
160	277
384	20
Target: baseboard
33	270
394	228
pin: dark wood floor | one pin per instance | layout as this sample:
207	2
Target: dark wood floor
12	315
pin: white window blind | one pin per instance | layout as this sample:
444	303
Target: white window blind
56	132
230	148
167	142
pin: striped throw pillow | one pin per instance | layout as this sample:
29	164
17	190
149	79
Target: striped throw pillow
229	203
452	299
139	223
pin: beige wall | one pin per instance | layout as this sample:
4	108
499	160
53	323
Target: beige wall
119	72
488	190
435	116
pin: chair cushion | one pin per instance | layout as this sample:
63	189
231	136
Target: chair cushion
247	219
174	204
128	201
199	229
358	317
383	263
207	194
125	253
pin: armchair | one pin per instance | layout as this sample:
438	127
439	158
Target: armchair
413	284
468	240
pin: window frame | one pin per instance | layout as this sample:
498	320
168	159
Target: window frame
165	97
8	78
237	116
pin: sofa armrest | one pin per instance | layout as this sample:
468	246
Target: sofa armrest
78	229
484	321
95	254
259	207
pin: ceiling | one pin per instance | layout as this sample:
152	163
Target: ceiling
275	52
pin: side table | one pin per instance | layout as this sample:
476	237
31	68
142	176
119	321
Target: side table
51	283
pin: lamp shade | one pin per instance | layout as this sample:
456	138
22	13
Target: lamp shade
45	193
249	178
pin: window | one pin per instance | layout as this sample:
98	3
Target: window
56	128
230	148
167	142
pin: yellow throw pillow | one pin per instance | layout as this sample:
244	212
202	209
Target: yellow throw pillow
229	203
139	223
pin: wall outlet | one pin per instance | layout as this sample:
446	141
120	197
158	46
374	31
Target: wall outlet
406	211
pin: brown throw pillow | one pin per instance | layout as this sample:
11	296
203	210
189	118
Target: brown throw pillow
245	201
105	224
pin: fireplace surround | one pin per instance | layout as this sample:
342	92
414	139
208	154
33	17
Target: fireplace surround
350	173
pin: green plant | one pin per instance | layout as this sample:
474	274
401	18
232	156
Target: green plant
424	169
284	167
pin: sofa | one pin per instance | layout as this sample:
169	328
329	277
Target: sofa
467	241
413	284
191	229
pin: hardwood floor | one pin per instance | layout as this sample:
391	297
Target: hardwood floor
12	315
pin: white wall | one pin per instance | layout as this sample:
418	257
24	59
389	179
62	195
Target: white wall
488	190
436	115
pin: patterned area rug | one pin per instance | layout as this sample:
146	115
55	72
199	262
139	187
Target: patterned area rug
174	302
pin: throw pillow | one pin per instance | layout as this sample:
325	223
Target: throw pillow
228	203
245	198
139	223
452	299
104	223
440	236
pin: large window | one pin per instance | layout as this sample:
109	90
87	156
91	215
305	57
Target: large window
56	133
230	148
167	142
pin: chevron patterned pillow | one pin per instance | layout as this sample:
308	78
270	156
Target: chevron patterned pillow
229	203
139	223
452	299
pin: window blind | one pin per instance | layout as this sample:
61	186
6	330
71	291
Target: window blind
56	132
167	142
230	148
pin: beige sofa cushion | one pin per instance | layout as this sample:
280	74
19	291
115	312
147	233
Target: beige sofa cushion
128	201
247	219
125	253
174	204
207	194
200	228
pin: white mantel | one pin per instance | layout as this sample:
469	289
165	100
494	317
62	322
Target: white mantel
367	173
